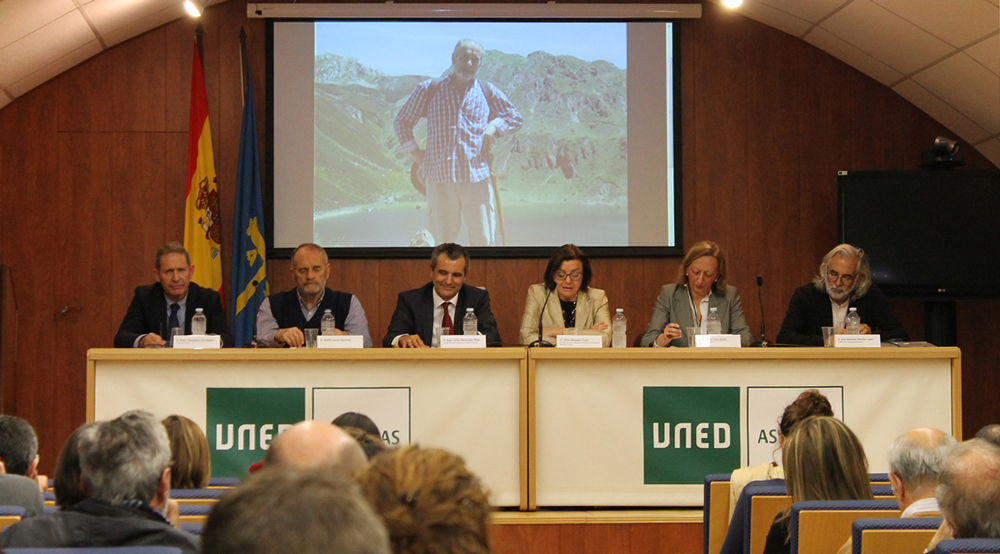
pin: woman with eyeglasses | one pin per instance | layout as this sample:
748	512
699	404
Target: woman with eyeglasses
565	300
700	286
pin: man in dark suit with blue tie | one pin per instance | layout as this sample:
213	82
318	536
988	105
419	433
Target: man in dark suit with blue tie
422	313
170	302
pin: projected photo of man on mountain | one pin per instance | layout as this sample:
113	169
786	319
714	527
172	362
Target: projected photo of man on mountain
552	95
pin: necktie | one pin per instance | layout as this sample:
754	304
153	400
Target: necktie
446	321
173	321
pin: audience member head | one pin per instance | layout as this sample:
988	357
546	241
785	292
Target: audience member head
824	460
573	265
809	403
358	421
312	512
968	490
990	433
126	459
315	444
430	501
18	446
66	478
449	266
844	273
191	462
703	268
371	444
915	459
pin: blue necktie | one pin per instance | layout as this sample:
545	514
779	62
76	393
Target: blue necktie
173	322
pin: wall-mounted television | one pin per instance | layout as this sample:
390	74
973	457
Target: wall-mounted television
928	234
595	162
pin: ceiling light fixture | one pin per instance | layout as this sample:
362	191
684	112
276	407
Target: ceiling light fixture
732	3
194	7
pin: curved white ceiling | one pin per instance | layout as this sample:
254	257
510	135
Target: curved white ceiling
941	55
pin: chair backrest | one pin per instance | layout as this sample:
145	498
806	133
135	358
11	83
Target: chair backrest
879	478
98	550
715	515
223	482
9	515
821	527
194	513
197	496
765	502
893	536
191	527
968	546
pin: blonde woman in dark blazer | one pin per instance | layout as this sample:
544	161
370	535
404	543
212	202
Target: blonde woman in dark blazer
568	300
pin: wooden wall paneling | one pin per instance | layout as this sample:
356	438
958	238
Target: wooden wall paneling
360	278
773	171
829	126
82	96
86	174
663	538
525	539
652	274
139	194
179	37
138	91
978	327
619	277
507	281
721	136
32	248
175	186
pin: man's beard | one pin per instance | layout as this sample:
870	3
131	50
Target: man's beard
838	294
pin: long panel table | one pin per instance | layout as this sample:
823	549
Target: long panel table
642	427
472	402
549	427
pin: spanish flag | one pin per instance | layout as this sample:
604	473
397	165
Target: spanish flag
202	220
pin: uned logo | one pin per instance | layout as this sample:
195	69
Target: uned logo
242	422
689	432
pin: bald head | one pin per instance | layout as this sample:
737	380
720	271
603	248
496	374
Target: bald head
316	444
915	460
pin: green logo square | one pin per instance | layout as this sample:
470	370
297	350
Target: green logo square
242	423
689	432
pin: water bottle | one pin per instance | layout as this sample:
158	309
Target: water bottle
853	322
327	324
714	323
470	323
199	323
619	325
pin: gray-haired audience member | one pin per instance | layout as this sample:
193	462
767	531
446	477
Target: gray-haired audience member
915	460
18	451
990	433
315	444
312	512
126	477
969	490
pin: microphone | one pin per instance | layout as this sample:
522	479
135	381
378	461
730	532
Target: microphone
541	341
760	300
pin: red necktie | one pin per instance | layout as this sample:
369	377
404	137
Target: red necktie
446	321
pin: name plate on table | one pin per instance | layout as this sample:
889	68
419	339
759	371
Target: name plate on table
857	341
197	341
462	341
340	341
717	341
579	341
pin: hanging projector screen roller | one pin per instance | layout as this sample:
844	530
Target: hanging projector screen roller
594	162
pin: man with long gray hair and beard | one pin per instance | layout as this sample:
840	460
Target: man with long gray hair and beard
125	466
844	281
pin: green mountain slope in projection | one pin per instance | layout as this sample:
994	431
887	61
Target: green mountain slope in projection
572	144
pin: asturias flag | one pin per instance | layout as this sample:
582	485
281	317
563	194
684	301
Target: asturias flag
249	278
202	223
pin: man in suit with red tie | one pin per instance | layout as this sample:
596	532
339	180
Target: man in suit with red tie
422	313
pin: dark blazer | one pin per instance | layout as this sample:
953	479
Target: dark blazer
414	314
148	314
810	310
